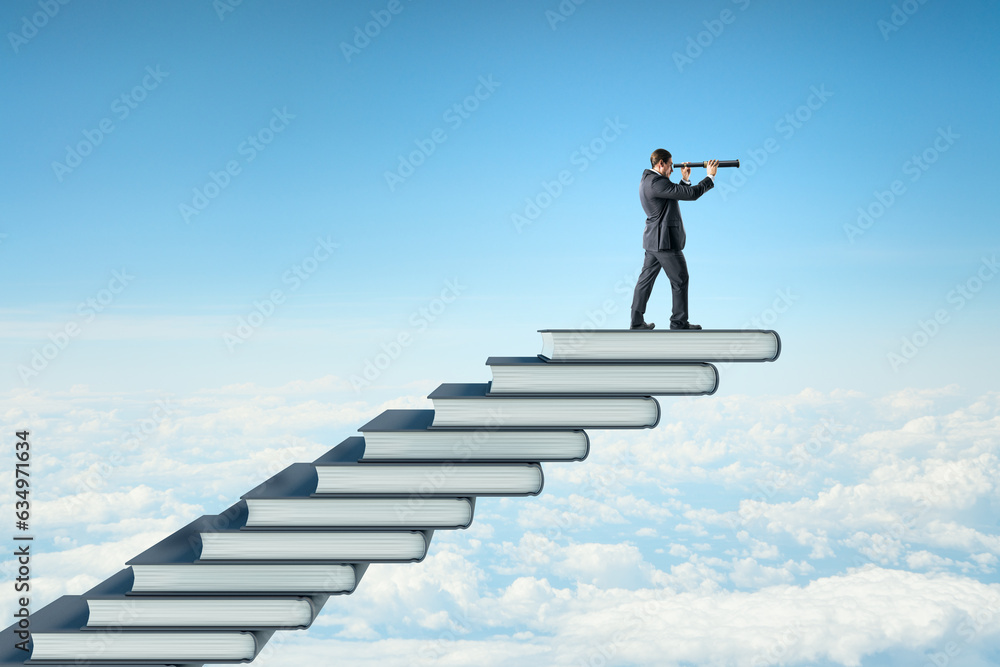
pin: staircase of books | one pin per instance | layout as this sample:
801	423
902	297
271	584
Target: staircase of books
217	589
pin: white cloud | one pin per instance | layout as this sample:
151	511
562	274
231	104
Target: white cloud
101	511
729	533
748	573
841	619
605	565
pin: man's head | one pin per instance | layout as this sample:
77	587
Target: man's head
662	162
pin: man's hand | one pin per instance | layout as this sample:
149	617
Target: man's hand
712	166
686	173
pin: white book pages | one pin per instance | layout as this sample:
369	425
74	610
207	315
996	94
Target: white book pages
425	480
484	443
655	345
211	578
353	546
359	512
547	411
166	646
653	379
250	612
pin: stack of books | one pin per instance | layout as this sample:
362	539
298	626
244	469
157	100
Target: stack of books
217	589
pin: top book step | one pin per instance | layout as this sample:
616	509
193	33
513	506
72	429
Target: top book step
718	345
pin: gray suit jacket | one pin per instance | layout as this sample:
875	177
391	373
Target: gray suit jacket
659	197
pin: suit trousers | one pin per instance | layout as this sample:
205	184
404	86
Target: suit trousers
673	264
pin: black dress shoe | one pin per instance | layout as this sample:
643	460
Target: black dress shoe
686	326
645	326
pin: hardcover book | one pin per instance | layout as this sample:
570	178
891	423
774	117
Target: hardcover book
408	435
534	375
199	612
60	633
368	545
472	405
360	512
685	345
426	480
288	500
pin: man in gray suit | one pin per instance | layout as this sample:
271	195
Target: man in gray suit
663	239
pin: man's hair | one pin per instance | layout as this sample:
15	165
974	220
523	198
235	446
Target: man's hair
659	154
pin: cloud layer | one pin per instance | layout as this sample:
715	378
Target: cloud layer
818	528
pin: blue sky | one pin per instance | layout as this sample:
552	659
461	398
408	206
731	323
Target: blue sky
323	175
304	262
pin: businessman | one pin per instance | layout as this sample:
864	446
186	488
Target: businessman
663	238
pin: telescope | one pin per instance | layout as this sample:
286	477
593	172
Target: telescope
722	163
